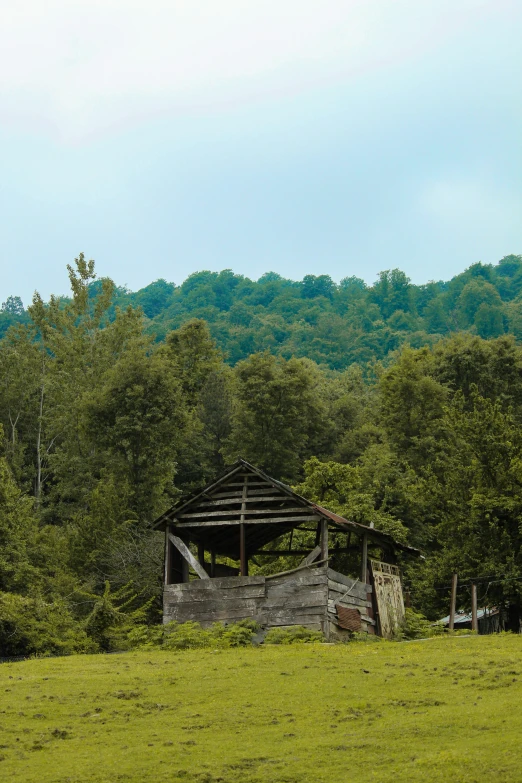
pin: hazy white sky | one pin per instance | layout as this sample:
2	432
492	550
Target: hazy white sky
342	137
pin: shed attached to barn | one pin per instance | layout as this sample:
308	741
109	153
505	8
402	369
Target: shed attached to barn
242	517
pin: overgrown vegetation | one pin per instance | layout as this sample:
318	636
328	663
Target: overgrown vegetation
105	426
421	711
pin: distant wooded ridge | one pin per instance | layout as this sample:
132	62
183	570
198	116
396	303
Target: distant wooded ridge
334	325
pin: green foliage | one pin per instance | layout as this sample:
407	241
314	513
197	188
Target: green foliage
416	626
113	616
31	626
297	634
184	636
190	635
328	323
277	414
344	490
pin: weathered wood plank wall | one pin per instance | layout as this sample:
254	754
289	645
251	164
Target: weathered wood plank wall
306	598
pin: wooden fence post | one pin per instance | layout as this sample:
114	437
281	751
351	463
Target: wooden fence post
453	601
474	616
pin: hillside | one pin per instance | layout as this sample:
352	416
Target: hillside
334	325
439	710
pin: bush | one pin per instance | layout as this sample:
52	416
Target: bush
296	634
190	635
30	626
416	626
114	616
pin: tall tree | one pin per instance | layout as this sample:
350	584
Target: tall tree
276	414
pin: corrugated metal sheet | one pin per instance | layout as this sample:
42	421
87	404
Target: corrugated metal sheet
349	619
466	618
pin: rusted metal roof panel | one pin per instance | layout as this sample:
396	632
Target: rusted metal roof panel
349	619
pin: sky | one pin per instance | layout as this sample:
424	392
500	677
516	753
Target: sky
338	137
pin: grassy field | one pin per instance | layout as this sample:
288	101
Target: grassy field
437	710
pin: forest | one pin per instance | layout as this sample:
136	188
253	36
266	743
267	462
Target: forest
334	325
397	405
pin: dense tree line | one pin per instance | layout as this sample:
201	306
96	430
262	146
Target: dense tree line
104	426
334	325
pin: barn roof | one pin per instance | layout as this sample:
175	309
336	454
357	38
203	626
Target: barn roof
274	514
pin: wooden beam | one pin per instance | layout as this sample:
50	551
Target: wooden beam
244	511
313	555
364	558
188	556
238	501
252	484
166	573
293	570
287	553
324	539
231	522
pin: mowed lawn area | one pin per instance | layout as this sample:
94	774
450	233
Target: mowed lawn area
438	710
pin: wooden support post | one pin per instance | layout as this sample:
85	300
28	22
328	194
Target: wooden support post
453	604
243	559
324	557
201	553
364	559
474	616
324	539
167	570
212	563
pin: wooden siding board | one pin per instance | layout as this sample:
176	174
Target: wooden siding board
302	598
335	576
221	583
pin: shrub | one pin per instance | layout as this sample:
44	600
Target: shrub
30	626
114	616
184	636
416	626
296	634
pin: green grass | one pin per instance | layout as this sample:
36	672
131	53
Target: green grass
437	710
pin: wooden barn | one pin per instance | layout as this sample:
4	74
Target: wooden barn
241	516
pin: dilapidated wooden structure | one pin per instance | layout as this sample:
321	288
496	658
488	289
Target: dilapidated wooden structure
240	517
